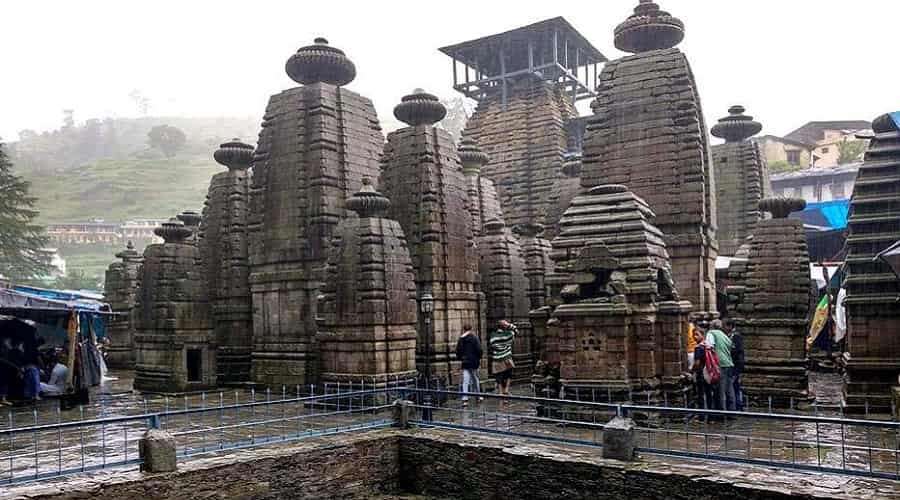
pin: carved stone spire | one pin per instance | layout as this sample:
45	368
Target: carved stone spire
129	254
737	126
420	108
471	156
781	208
649	28
234	154
367	202
320	63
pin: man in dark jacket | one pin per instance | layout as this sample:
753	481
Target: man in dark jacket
468	352
737	355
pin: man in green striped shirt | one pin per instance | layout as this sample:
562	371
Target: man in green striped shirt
501	349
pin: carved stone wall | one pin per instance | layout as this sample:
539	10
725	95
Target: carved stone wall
424	181
648	133
873	311
223	246
505	286
526	141
316	144
368	309
174	341
120	291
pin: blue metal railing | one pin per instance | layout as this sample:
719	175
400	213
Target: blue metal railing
50	450
861	447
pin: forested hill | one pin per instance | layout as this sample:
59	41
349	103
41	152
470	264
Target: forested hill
108	169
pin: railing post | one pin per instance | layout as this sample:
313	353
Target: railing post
157	448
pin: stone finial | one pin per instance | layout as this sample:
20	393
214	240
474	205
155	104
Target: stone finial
780	208
129	253
531	229
367	202
234	154
320	63
172	231
471	156
649	28
571	166
190	218
420	108
494	226
737	126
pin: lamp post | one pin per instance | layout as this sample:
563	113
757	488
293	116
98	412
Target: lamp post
426	306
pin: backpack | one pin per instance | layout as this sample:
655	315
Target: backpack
711	372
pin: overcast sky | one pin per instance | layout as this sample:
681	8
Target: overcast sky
787	61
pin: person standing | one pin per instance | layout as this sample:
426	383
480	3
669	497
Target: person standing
705	399
719	342
501	349
468	352
737	357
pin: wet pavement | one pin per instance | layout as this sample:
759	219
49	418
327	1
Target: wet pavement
850	447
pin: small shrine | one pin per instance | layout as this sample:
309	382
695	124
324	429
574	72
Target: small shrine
619	325
770	304
368	306
175	347
224	246
120	288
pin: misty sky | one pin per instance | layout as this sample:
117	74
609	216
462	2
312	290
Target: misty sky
787	61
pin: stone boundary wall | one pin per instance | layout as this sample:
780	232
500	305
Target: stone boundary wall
438	464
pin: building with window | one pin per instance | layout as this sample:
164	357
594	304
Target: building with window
816	145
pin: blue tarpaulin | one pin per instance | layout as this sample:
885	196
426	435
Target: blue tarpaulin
896	117
828	214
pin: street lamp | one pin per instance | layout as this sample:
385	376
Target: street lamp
426	306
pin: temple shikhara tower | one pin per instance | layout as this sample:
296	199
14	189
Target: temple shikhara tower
223	246
526	82
368	309
619	327
771	310
873	313
483	202
742	178
423	179
648	134
121	287
317	143
175	344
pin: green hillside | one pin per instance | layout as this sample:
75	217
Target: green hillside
116	190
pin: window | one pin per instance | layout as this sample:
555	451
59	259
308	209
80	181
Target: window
824	151
194	365
793	157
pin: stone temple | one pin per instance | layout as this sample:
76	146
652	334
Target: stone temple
368	309
121	292
224	250
526	82
648	133
317	143
423	179
872	357
770	306
742	178
174	340
482	194
619	326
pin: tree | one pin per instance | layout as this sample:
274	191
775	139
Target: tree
166	139
77	280
850	151
458	112
777	167
21	240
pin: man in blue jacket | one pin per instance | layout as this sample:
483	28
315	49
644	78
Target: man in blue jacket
468	352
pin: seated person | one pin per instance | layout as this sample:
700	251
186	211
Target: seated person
56	386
